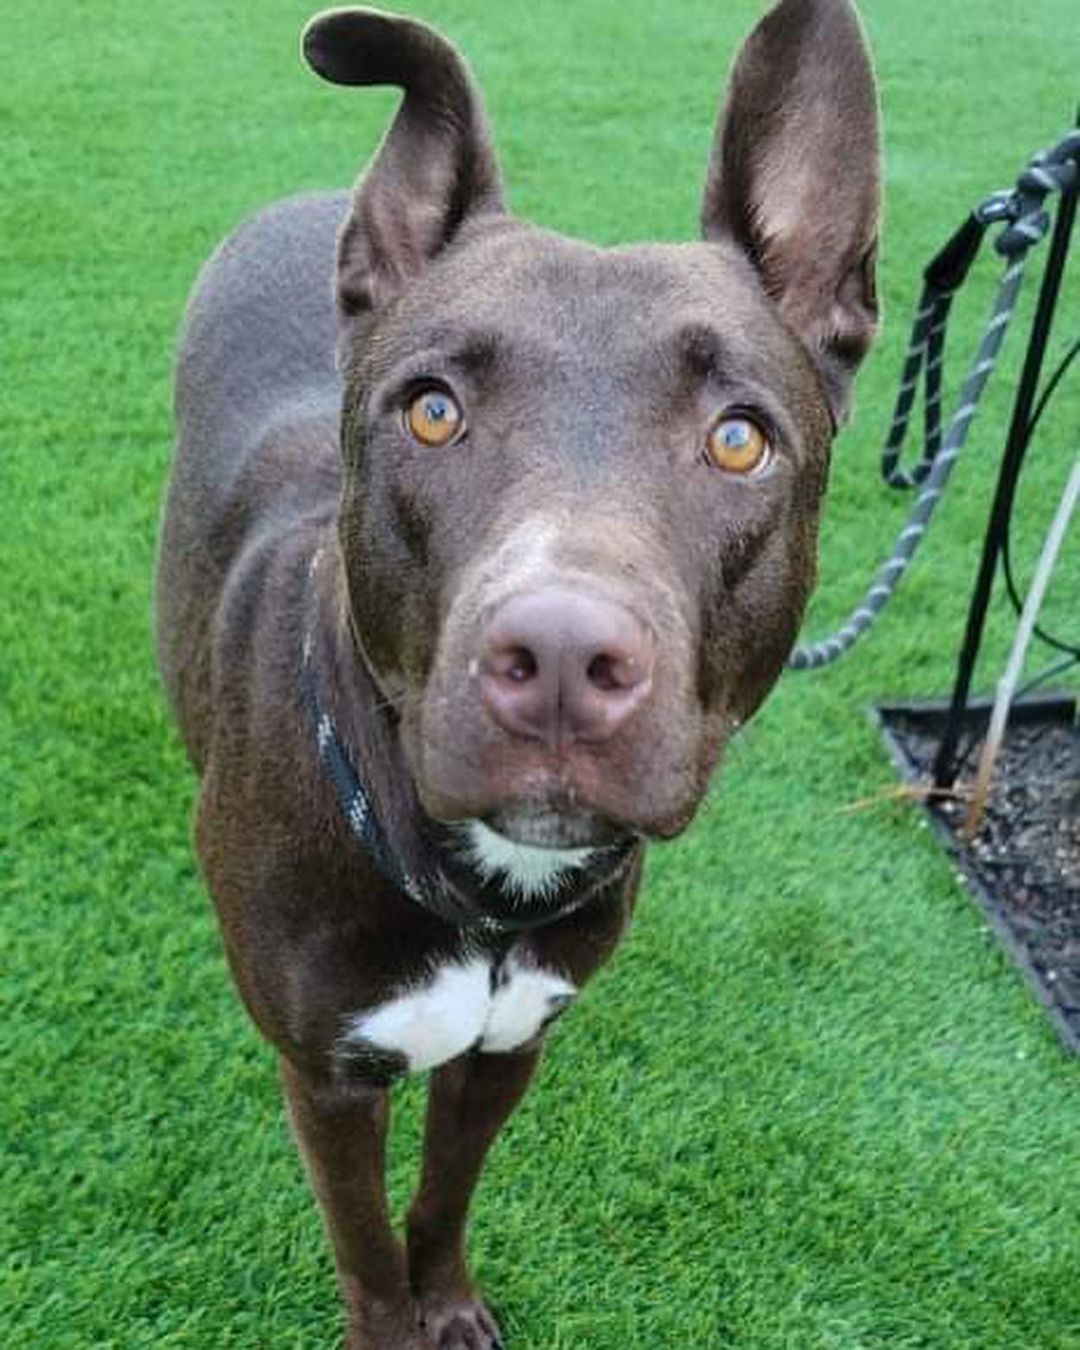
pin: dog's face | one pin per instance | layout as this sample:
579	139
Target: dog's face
583	485
589	392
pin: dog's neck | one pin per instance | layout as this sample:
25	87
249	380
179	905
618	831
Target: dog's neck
466	874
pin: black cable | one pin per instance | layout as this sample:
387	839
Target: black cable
1058	644
1048	674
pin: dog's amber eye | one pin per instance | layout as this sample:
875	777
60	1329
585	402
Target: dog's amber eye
434	418
738	445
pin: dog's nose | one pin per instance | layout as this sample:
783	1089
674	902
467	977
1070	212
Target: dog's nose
560	666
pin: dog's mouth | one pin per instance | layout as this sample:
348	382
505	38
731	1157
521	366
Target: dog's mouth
555	812
518	881
548	828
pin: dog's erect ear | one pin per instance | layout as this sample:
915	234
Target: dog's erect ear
794	178
436	165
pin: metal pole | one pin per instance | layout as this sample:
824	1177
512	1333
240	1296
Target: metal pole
945	765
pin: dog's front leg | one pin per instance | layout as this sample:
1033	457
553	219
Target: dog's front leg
343	1142
468	1102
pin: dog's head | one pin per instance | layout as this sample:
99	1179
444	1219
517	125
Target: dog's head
582	485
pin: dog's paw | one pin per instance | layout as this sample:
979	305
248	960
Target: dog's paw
460	1324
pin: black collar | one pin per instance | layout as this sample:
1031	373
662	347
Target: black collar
452	890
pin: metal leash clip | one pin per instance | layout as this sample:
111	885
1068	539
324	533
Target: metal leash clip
1003	205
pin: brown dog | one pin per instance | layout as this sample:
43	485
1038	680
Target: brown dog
456	622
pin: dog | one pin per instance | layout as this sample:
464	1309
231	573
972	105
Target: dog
467	576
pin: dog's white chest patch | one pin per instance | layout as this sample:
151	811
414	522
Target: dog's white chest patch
463	1005
431	1024
525	999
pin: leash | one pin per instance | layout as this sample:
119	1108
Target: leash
1022	211
488	910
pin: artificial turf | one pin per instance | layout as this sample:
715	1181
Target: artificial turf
809	1105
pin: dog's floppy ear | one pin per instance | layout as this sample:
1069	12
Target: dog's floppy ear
436	165
794	178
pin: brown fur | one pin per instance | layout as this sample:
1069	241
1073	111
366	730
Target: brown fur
589	379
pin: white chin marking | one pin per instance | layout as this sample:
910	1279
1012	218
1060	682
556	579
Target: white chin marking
523	870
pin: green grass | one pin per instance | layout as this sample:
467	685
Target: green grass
810	1105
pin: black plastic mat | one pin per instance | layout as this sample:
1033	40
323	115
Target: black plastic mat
1023	865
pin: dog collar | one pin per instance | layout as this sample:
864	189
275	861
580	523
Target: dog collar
453	891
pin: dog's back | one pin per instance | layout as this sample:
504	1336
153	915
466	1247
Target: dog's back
258	401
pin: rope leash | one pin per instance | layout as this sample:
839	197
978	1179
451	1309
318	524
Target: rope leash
1026	222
